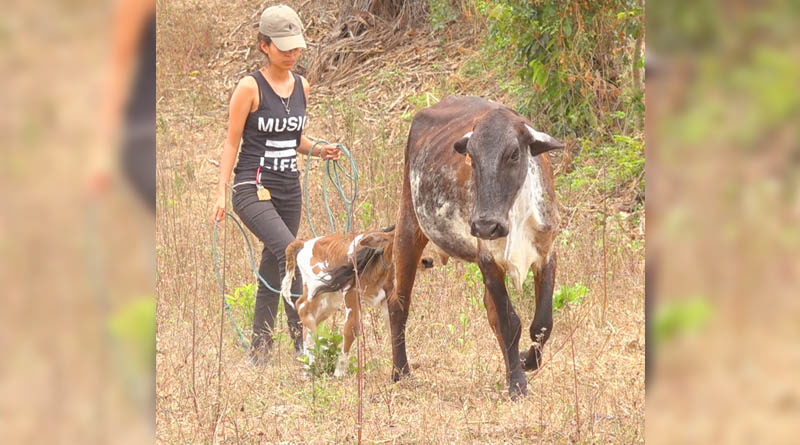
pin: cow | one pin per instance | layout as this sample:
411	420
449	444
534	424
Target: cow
478	183
329	281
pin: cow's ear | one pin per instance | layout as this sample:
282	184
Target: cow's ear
461	144
541	142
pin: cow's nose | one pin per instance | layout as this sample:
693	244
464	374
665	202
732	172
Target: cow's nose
488	228
427	262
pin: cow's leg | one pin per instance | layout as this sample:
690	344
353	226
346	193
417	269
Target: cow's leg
352	329
542	323
504	322
408	244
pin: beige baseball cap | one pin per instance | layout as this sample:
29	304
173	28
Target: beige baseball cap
282	25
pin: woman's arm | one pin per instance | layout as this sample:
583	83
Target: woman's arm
324	151
241	102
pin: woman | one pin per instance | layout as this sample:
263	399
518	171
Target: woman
129	104
268	114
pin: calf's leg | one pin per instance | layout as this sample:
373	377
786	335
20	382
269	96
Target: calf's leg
352	329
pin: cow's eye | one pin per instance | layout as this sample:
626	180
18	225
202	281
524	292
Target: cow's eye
514	155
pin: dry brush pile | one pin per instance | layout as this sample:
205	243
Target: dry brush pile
591	387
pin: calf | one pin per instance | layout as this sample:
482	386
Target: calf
329	280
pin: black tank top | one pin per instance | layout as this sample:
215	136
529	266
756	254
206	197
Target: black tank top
141	101
272	132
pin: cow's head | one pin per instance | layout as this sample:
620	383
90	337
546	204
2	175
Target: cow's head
499	146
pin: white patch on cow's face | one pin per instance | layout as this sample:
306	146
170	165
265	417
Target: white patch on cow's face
539	136
352	248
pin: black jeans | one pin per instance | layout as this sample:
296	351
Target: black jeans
275	223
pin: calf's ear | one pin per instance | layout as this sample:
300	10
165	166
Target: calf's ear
461	144
376	239
539	142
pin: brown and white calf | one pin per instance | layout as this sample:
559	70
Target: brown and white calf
478	184
326	266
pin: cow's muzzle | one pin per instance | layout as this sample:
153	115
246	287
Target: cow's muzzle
488	228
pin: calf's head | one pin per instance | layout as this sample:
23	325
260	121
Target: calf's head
499	146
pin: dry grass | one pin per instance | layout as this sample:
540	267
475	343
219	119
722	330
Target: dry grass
591	387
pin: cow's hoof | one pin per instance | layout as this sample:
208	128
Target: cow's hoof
531	359
518	388
400	373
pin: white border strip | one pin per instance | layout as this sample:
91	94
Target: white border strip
281	153
282	144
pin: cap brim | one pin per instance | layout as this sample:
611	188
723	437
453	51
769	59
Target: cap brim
289	43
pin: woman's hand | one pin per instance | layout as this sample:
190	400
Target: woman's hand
219	208
329	151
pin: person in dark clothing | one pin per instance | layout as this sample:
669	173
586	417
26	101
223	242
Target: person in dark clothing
128	109
267	116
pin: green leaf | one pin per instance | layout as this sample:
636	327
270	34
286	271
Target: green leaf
674	318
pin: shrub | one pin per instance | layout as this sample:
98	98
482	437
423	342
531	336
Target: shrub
674	318
243	304
578	60
569	295
326	349
613	167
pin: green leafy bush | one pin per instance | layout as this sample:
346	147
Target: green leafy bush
578	60
440	13
569	295
133	328
326	349
243	304
681	317
611	167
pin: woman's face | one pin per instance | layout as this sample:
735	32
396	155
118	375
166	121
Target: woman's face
282	59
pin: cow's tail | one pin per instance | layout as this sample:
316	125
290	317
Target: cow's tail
291	265
341	277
